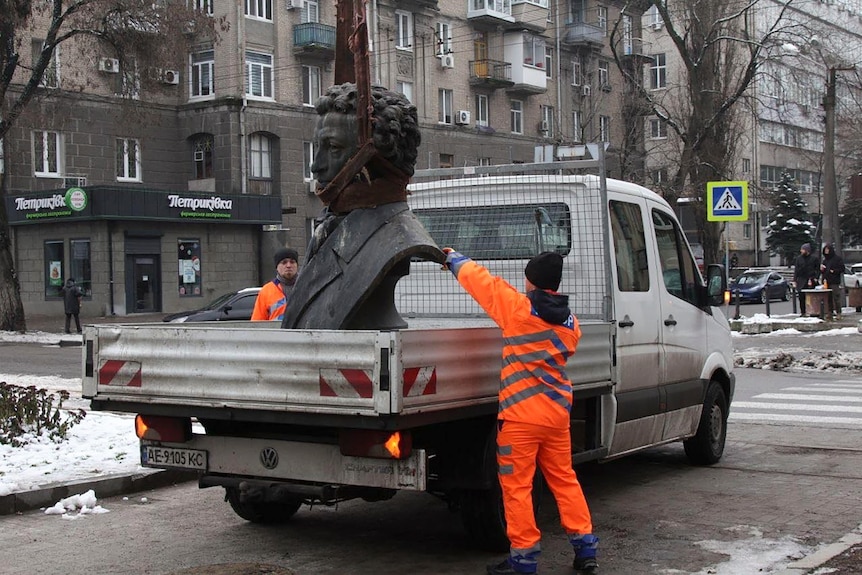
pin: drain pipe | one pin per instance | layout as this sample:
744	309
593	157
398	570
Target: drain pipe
243	159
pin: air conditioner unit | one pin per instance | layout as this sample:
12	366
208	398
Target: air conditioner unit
544	126
109	65
291	4
74	181
463	117
447	61
586	90
171	77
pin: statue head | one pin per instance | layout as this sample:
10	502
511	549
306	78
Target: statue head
395	130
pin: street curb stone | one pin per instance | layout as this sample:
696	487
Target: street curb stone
821	556
106	486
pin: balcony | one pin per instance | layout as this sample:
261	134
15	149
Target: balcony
531	16
314	38
581	34
636	49
490	12
491	73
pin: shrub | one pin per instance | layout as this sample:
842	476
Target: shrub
27	410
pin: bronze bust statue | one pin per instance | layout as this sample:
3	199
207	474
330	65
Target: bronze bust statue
367	234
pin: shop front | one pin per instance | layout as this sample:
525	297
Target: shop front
137	251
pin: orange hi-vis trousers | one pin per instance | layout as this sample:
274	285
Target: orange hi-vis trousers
519	447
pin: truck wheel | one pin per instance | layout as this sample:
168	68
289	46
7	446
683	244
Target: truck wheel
270	512
707	446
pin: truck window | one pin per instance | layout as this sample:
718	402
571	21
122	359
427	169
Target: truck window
679	270
500	232
630	254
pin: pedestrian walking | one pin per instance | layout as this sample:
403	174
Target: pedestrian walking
72	296
540	333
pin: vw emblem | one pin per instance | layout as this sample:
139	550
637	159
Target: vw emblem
269	457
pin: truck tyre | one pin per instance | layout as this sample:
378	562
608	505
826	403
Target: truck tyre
707	445
268	512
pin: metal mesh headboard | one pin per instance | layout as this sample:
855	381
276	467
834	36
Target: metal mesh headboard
503	221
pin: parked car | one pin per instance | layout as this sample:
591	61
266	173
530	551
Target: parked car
232	306
759	285
853	276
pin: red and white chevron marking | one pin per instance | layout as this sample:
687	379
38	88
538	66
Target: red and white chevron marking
120	373
420	381
357	383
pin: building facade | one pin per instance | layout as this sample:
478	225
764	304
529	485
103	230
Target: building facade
494	81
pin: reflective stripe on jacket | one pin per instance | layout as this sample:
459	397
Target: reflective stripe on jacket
534	387
270	303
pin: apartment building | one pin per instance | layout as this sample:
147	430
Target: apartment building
160	195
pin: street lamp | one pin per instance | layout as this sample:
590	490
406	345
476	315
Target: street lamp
831	231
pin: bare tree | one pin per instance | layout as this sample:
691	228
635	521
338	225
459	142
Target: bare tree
720	46
153	34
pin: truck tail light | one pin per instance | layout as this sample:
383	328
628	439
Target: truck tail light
160	428
378	444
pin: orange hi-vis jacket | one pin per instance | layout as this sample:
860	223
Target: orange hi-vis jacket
271	302
534	387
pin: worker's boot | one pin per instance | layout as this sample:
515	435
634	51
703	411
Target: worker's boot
512	565
585	547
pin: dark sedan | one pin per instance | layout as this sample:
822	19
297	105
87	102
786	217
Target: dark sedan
759	286
233	306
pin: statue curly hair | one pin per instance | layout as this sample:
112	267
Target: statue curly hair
395	129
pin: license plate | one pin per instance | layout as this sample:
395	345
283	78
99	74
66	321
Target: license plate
175	457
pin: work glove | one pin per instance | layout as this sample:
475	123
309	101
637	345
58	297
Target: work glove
453	260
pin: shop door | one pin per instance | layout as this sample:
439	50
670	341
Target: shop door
144	283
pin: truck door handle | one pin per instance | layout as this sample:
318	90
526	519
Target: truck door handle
670	321
626	322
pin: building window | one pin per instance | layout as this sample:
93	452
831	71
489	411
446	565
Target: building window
746	165
604	76
657	129
201	77
577	129
79	266
547	121
517	116
445	102
310	12
307	160
51	76
405	88
310	85
47	154
482	112
549	62
403	30
260	9
260	156
746	231
653	18
659	176
203	157
534	51
602	18
204	6
447	160
189	259
259	77
604	128
444	38
658	72
128	160
128	81
577	72
54	275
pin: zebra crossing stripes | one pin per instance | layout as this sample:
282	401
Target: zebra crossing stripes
835	403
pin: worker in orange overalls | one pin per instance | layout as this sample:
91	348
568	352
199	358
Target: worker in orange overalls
539	335
271	301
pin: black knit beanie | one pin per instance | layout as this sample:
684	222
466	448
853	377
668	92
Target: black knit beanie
545	270
283	253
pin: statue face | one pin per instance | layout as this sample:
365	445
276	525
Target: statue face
335	139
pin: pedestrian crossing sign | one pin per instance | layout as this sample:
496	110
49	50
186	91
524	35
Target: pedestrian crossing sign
727	201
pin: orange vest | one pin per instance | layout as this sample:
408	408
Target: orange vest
534	387
270	303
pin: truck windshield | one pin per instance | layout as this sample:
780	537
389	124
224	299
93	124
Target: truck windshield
500	232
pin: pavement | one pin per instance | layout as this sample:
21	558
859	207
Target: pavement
830	558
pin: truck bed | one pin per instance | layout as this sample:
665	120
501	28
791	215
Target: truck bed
256	371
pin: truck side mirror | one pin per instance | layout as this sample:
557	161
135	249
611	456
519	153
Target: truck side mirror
716	284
